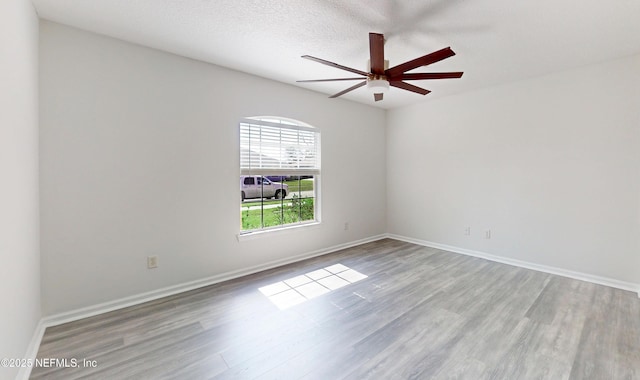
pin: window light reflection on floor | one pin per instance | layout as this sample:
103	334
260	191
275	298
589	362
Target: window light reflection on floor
295	290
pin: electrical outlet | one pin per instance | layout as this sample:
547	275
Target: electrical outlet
152	262
346	226
467	231
487	234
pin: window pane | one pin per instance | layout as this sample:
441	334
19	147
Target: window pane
276	203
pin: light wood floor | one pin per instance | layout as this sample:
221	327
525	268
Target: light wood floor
421	313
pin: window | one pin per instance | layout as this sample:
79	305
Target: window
279	173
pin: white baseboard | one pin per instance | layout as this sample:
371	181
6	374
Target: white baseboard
74	315
525	264
32	349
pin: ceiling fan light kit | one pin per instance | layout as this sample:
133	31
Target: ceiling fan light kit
378	85
380	77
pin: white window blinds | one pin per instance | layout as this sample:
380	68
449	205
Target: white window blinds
275	147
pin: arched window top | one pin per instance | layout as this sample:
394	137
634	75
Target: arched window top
271	144
282	122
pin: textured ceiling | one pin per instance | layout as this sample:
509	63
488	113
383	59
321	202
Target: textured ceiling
496	41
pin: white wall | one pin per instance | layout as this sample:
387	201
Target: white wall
19	244
140	156
550	165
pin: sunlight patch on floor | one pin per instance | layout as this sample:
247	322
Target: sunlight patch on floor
298	289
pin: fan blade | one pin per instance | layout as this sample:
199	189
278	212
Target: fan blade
349	89
409	87
327	80
377	97
376	53
421	61
332	64
420	76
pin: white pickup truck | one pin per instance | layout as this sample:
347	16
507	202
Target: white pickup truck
259	187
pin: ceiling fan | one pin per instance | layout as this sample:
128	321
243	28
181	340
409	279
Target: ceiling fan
379	77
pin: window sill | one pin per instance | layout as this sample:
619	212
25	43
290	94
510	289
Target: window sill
275	231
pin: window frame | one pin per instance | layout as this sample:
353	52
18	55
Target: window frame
305	166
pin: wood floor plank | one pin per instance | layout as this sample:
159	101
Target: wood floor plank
402	347
420	313
596	350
